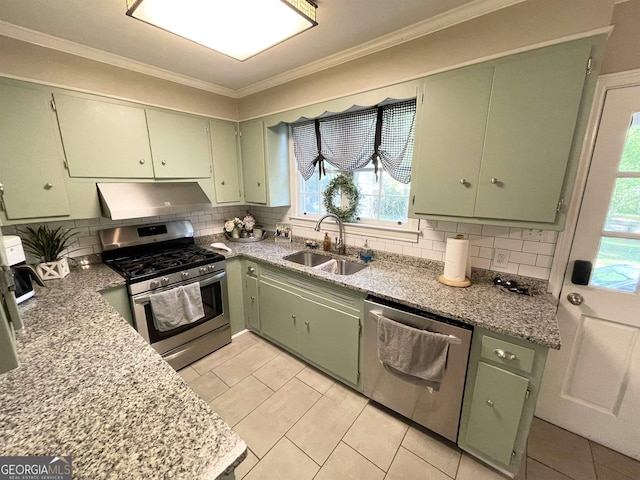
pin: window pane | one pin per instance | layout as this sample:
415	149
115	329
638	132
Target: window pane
311	185
624	210
368	206
311	204
617	265
631	156
366	182
394	208
390	186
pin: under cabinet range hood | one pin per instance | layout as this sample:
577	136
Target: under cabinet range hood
120	201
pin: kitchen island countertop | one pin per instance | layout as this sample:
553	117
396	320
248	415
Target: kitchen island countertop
532	318
89	386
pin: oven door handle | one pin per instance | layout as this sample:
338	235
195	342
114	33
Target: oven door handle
206	283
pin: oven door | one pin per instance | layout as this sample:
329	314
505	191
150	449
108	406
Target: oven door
216	314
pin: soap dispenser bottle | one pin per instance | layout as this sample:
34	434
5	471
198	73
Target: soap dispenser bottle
326	244
366	254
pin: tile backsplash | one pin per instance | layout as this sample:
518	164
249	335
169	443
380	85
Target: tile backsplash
530	253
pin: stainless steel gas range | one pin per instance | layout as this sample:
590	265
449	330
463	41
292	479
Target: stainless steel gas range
160	260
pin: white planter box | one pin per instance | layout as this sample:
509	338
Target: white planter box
53	270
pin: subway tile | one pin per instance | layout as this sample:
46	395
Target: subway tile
474	251
486	252
495	231
425	244
439	246
508	244
433	235
523	258
535	272
515	233
544	261
432	255
447	226
393	248
481	263
510	268
469	228
549	236
539	247
481	241
412	251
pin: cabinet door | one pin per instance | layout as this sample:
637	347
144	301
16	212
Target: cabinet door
103	139
496	408
331	338
253	169
180	145
224	150
31	158
252	309
278	316
450	141
534	108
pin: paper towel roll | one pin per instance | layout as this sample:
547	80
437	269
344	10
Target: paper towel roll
455	259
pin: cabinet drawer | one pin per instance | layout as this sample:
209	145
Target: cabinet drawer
252	268
508	354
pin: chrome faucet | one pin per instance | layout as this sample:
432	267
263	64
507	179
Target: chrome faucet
340	247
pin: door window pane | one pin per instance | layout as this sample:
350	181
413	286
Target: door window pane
631	156
617	264
624	209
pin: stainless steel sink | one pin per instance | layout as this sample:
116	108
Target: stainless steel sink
311	259
308	259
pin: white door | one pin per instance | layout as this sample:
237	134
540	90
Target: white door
592	385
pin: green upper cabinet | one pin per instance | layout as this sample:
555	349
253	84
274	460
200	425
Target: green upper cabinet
224	149
265	163
180	145
253	162
103	139
31	156
494	141
535	102
450	139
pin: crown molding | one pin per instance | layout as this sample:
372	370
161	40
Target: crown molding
447	19
66	46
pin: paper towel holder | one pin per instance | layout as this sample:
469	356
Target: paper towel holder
455	283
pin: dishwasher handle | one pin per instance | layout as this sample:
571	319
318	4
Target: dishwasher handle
453	340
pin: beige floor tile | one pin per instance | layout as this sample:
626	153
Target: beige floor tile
279	371
208	386
538	471
439	453
263	427
561	450
315	379
245	467
285	461
605	473
188	374
407	466
240	400
237	346
471	469
322	427
244	364
377	435
347	464
615	461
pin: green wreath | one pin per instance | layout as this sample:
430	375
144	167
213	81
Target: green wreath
343	184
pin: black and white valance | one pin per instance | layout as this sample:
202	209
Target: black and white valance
348	141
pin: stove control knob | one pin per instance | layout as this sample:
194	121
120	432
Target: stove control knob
164	281
203	269
154	284
211	268
184	275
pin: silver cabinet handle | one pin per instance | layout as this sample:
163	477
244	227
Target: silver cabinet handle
306	323
490	403
142	161
163	162
253	299
505	355
48	186
575	298
463	181
294	318
495	181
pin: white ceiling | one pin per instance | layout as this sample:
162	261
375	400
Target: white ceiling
346	29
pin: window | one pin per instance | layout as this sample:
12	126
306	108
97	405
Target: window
374	144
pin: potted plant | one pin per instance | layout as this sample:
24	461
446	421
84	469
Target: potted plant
47	244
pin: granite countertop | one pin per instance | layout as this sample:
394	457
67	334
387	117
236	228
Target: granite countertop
89	386
482	304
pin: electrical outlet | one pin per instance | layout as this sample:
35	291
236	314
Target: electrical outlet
532	234
501	258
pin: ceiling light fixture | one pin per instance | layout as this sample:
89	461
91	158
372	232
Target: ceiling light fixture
237	28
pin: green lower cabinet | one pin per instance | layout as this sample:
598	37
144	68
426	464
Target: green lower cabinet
496	408
278	316
331	338
251	303
118	298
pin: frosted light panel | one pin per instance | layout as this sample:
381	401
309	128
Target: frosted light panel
237	28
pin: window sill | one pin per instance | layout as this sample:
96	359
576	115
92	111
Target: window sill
388	233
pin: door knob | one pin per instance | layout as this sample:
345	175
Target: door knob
575	298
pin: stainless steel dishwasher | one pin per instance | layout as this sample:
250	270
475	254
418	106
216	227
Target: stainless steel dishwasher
438	411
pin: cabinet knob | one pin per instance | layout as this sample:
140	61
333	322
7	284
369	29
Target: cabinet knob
251	269
306	323
294	317
222	182
163	162
490	403
48	186
253	298
504	354
258	183
142	161
463	181
495	181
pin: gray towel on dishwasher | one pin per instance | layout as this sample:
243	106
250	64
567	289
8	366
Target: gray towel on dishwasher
415	355
177	306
